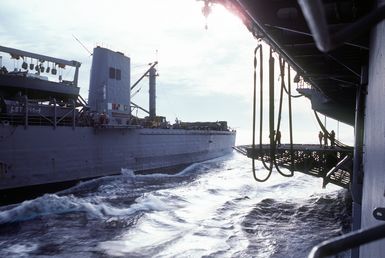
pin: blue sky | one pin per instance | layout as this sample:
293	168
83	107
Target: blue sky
205	75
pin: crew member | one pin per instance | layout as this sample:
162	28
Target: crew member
332	139
320	137
103	118
3	70
325	139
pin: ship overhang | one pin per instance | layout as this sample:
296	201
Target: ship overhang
335	74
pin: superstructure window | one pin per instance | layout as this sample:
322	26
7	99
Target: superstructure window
112	73
115	74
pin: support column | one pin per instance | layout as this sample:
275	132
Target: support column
357	175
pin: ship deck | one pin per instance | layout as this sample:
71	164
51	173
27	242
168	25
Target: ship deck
332	163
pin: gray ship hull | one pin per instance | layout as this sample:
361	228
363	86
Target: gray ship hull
42	155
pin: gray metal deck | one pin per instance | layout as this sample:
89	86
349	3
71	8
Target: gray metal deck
333	164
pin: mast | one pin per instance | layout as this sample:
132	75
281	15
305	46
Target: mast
152	91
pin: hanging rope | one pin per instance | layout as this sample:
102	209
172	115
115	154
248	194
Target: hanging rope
281	64
282	69
289	91
261	110
284	86
271	108
290	120
272	136
259	47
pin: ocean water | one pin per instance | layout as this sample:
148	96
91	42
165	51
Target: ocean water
211	209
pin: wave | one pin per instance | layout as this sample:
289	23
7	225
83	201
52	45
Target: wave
277	224
92	185
53	204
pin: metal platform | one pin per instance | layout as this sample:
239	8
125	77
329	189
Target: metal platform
333	164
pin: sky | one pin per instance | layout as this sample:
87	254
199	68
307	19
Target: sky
204	75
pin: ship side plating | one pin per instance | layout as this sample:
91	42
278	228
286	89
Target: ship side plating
41	155
374	142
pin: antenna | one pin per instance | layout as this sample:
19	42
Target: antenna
156	55
156	60
89	52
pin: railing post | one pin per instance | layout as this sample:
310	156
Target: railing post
73	115
54	113
26	112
